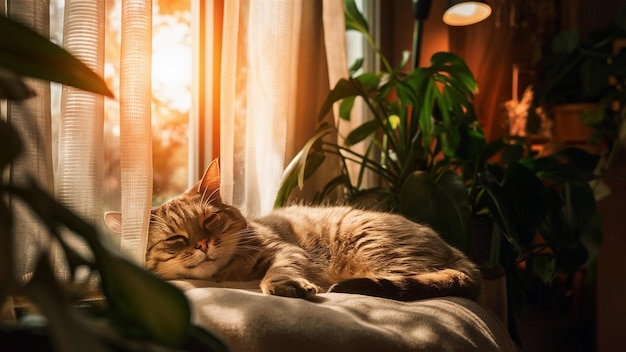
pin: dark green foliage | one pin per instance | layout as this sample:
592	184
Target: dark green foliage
420	136
593	71
435	166
24	52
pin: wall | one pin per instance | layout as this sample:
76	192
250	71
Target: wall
611	285
397	21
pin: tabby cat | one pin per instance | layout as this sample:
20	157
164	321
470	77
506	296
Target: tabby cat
298	251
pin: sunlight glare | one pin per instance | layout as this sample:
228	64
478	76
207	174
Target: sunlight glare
171	62
464	10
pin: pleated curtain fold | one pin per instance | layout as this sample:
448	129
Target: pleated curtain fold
135	126
31	118
275	76
77	180
80	150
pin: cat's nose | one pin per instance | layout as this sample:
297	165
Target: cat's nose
202	245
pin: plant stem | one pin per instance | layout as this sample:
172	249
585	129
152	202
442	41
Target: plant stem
360	159
381	120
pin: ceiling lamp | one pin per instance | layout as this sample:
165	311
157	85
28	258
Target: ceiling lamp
466	12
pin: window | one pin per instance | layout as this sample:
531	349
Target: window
171	96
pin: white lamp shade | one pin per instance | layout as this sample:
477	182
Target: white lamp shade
463	13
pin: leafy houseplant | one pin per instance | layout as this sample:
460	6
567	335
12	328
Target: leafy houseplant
139	310
591	72
436	167
545	209
413	143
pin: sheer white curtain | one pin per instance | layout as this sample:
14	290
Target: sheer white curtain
31	118
135	125
80	150
78	176
275	76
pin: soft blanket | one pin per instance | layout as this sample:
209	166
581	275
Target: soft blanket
250	321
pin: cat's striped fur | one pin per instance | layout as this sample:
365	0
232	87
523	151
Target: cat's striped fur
299	251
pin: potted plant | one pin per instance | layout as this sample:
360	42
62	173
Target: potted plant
423	128
137	310
581	83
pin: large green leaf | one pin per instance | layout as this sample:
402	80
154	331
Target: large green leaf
581	159
527	200
343	89
345	108
441	203
11	144
348	89
425	111
360	133
368	81
27	53
151	306
472	142
570	213
292	177
12	86
500	205
354	19
458	73
356	65
406	93
156	308
300	166
67	330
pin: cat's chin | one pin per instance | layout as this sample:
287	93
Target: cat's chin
198	267
203	269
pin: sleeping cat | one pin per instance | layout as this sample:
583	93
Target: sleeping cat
298	251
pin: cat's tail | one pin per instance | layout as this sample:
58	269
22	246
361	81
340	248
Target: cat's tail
440	283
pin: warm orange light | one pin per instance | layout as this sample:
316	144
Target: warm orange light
466	13
171	61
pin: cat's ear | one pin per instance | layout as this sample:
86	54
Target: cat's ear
209	185
113	219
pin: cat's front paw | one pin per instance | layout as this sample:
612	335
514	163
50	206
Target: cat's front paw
298	288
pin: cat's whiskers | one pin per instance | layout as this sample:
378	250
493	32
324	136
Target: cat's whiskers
175	264
158	221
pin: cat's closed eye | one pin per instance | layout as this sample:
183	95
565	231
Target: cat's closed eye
176	242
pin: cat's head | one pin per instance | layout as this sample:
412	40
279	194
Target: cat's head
193	235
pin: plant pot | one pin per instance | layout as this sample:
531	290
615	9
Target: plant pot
567	125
